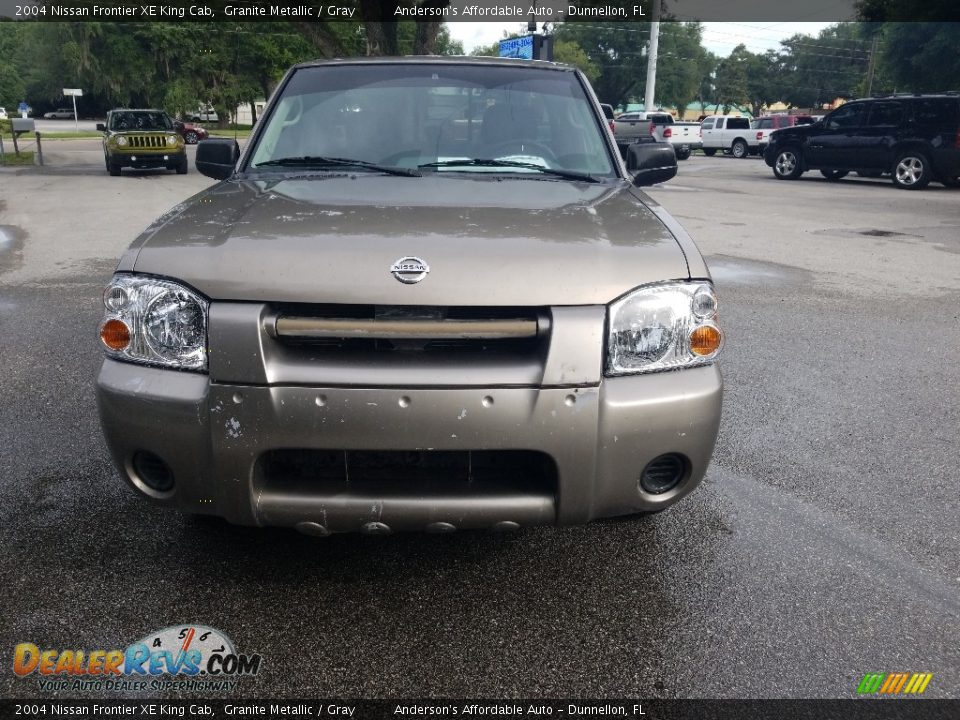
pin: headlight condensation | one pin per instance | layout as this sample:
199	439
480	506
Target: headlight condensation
663	327
154	322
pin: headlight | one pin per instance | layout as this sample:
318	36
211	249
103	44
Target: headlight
155	322
663	327
121	141
171	140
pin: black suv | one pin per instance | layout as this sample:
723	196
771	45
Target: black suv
915	138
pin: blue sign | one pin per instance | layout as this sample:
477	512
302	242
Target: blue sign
23	107
520	47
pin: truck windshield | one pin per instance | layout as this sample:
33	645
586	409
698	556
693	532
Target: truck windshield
430	114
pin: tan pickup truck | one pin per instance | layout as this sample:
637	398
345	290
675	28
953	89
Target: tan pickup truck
429	295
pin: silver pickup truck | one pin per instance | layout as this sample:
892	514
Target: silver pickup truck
428	295
658	126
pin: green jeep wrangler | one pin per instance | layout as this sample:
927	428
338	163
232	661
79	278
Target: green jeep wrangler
142	139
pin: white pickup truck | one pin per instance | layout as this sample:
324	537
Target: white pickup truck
685	138
729	133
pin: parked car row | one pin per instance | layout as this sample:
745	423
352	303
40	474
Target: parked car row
913	138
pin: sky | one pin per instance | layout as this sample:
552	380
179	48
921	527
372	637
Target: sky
718	37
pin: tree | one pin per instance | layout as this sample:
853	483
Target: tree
680	63
730	81
617	50
567	51
817	70
921	56
12	87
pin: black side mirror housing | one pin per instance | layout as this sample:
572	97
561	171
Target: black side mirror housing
218	157
101	127
651	163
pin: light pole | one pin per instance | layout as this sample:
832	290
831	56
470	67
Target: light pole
648	97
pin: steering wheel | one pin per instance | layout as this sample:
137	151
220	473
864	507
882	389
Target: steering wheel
528	148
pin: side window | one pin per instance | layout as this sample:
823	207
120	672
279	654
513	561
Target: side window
765	123
936	112
738	123
719	125
848	116
707	125
885	114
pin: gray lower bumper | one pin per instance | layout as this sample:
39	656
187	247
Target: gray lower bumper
600	439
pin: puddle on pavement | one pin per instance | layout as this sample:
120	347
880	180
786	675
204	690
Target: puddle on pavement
11	247
735	271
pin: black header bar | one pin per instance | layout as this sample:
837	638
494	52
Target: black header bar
428	10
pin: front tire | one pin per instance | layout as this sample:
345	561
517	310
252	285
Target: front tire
683	154
834	175
739	149
709	152
183	167
788	164
912	171
113	169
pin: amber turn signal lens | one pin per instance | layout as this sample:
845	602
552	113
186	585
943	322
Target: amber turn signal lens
705	340
115	334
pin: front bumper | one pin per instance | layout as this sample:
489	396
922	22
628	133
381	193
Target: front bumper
214	437
149	158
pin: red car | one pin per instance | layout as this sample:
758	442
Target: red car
190	133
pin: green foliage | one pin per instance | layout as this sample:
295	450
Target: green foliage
819	70
617	50
567	51
730	81
178	65
921	56
12	87
682	63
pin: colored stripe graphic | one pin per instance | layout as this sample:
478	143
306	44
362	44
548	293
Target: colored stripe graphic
870	683
894	683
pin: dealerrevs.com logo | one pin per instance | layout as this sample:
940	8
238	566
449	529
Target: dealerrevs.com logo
180	657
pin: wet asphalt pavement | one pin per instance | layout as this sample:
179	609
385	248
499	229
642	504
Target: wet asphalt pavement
823	545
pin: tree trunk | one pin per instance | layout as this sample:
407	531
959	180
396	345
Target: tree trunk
425	39
381	36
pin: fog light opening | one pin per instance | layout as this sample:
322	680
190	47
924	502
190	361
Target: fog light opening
664	473
152	471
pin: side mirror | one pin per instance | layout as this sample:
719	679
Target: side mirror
217	158
651	163
101	127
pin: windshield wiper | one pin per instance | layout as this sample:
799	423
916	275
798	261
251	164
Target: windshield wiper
481	162
319	161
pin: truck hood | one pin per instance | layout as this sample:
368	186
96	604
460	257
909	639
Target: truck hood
487	241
